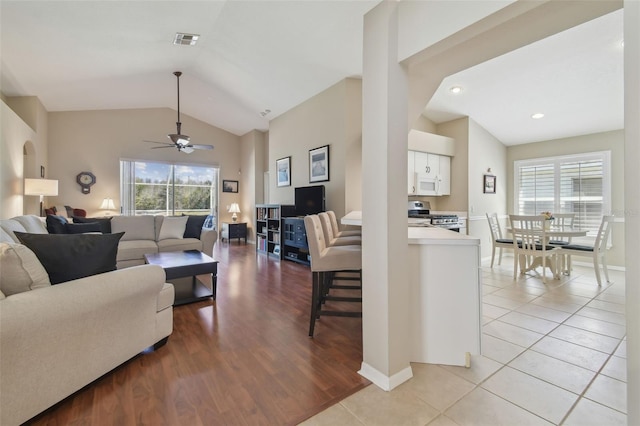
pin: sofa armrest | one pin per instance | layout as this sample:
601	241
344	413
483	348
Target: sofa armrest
57	339
208	238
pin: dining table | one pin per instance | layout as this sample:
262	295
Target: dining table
553	233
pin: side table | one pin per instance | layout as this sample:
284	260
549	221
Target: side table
231	230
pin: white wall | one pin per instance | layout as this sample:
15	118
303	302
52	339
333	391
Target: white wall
95	141
251	178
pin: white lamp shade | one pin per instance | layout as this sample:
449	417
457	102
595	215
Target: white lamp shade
234	208
107	204
46	187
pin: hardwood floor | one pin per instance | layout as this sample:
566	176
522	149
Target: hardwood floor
245	359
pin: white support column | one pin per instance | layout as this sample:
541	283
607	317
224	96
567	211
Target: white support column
632	202
384	218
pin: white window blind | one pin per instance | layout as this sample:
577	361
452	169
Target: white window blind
579	184
148	187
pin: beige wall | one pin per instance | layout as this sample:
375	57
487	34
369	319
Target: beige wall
22	151
608	141
329	118
251	177
95	141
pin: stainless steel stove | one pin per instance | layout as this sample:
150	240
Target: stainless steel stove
420	210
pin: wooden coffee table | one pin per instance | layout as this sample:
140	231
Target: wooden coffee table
188	263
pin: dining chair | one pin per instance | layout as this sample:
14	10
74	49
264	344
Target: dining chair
563	221
597	251
530	245
497	241
332	240
329	264
336	229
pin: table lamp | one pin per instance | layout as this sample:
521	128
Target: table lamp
107	204
41	187
235	209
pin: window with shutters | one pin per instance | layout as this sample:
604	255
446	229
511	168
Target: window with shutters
579	184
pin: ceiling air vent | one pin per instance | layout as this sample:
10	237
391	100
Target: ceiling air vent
186	39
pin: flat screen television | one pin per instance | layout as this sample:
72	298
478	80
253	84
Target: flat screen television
309	200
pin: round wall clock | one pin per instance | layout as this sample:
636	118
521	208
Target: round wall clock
85	180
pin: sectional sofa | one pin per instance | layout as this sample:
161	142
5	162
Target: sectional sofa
56	339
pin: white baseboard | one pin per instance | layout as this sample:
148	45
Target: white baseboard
383	381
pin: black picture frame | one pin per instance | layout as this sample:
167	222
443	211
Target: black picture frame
42	172
283	171
230	186
319	164
489	184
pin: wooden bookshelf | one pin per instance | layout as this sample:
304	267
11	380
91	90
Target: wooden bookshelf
269	219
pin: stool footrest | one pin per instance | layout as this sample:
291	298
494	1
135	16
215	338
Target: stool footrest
343	299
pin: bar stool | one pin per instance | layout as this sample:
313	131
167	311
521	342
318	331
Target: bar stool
332	240
326	262
336	229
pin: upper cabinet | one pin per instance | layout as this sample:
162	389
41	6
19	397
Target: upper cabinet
429	164
411	173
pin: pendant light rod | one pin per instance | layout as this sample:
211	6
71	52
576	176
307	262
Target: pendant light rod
178	123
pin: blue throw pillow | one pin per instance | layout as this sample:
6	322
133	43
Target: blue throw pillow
55	224
67	257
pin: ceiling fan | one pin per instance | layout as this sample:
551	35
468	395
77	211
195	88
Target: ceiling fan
178	140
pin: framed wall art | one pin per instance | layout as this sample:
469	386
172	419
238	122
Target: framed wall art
283	171
319	164
229	186
489	184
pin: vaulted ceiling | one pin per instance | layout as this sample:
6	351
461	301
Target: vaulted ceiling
254	56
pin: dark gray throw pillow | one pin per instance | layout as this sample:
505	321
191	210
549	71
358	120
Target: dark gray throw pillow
194	226
105	222
83	228
55	224
68	257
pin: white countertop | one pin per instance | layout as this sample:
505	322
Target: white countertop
420	234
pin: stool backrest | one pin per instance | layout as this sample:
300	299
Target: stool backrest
327	229
315	236
334	222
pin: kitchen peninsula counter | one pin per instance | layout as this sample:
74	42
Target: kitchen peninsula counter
445	302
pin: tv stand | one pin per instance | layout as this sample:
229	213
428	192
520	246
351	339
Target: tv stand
295	247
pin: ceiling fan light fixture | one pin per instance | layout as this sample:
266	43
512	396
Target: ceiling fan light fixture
182	140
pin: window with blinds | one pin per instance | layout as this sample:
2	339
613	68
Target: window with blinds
579	184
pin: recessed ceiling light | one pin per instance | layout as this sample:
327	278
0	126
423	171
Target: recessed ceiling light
456	89
186	39
537	115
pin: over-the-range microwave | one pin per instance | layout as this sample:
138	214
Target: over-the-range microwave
428	185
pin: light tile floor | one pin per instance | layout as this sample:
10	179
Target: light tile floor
553	354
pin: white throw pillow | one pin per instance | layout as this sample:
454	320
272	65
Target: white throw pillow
173	227
20	270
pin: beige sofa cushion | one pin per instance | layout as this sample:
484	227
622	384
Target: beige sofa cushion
134	227
20	270
172	228
180	244
9	226
32	224
130	250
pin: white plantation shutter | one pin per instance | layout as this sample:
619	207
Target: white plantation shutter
577	184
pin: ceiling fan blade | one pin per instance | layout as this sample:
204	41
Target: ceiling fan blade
159	147
160	143
195	146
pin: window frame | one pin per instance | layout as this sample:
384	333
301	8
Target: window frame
127	165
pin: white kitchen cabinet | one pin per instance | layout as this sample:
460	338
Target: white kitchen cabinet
411	173
426	164
445	175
